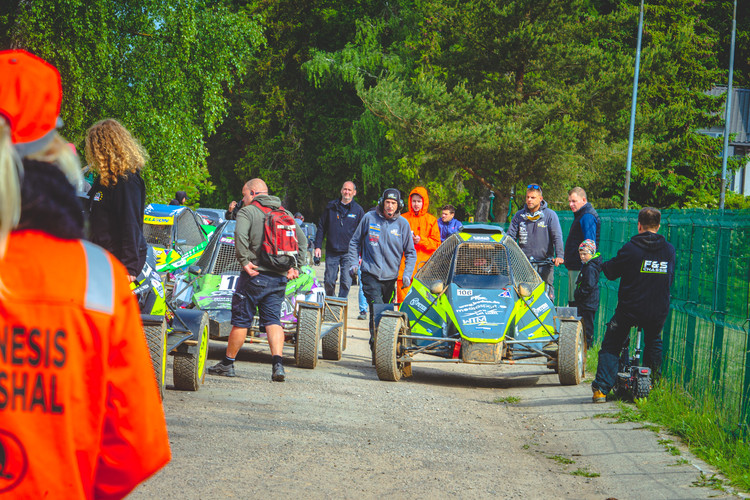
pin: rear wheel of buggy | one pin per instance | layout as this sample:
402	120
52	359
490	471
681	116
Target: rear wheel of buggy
308	332
642	387
190	369
571	354
386	348
334	343
156	338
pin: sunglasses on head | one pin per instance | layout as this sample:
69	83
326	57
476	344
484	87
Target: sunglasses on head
534	186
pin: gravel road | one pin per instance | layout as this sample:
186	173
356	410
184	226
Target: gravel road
448	431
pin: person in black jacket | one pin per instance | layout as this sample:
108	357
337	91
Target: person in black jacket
587	288
180	197
586	226
118	195
338	222
645	266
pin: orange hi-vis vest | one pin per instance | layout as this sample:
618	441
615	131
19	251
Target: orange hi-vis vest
80	414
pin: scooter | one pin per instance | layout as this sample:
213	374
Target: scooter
633	381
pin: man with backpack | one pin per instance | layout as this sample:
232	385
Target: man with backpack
269	246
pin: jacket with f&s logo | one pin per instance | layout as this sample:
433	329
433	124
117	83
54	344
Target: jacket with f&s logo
645	266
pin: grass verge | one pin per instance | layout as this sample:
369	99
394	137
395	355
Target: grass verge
695	422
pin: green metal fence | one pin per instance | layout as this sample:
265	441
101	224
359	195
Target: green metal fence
706	345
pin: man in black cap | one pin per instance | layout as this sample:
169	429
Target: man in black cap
382	238
180	197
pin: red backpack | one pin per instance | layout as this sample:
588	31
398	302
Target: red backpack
280	246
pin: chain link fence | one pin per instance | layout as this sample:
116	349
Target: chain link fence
706	345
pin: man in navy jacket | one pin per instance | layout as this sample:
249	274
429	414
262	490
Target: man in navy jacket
645	266
586	226
338	222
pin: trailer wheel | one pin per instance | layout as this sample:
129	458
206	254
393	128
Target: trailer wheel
156	338
571	353
308	332
386	345
190	369
333	344
642	387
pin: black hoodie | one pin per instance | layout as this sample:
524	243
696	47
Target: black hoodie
645	265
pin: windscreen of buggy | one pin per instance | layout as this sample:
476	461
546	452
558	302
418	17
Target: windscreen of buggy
481	265
158	235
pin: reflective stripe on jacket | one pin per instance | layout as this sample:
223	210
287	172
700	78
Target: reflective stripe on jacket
81	415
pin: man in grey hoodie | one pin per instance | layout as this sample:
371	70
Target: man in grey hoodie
259	286
382	238
537	231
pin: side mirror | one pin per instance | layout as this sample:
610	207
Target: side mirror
525	290
195	270
437	288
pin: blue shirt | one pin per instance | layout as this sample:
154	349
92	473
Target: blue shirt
446	230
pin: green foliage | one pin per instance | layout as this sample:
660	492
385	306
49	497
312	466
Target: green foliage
507	399
584	472
161	68
700	424
460	97
695	421
561	460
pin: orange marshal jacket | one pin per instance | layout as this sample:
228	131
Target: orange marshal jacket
80	415
426	227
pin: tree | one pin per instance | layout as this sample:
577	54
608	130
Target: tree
162	68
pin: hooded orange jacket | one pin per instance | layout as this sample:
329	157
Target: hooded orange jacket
426	227
80	415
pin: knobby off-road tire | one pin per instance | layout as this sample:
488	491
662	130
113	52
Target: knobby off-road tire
333	343
571	355
190	369
308	332
642	387
156	338
386	345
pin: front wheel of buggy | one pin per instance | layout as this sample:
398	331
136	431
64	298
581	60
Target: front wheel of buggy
386	346
156	338
190	369
642	387
308	333
571	354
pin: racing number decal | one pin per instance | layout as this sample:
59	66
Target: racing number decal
228	282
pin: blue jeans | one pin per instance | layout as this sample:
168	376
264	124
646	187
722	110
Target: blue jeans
335	265
362	299
618	330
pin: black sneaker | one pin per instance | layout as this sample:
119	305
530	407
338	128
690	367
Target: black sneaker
362	315
278	373
222	370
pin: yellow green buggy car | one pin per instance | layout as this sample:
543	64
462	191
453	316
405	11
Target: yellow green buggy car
479	300
177	235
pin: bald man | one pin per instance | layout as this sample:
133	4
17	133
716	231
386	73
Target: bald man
259	286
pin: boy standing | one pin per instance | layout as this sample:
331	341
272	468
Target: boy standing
586	295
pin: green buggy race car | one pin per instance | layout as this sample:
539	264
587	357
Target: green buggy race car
479	300
177	234
180	333
307	315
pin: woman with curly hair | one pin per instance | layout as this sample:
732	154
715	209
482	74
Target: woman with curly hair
118	194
